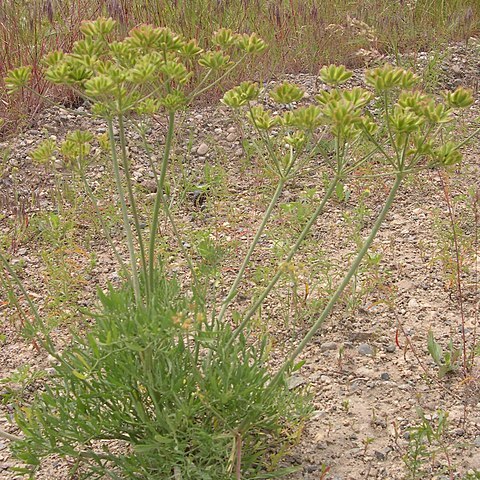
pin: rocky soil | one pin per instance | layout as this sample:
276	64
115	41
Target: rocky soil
368	369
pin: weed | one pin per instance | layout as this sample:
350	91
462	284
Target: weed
426	440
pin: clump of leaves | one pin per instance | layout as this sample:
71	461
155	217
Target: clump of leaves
159	392
448	361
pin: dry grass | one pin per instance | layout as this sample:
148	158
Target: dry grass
302	34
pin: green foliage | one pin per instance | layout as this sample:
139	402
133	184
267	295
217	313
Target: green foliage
159	392
426	439
161	387
17	383
448	361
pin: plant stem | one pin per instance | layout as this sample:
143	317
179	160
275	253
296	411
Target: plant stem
458	264
353	268
9	436
289	257
126	222
131	197
233	289
159	197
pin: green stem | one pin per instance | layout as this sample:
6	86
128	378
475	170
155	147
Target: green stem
387	119
9	436
131	197
353	268
126	222
289	257
159	197
233	289
168	212
218	80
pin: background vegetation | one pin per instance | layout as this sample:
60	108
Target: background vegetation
302	34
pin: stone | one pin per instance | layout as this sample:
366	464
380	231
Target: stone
385	376
295	381
405	285
202	149
365	349
412	303
326	346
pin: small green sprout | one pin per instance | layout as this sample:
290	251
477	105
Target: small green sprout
447	154
224	38
97	28
251	43
388	77
214	60
261	118
305	118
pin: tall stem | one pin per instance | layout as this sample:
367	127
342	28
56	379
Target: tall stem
131	197
353	268
233	289
123	205
159	197
289	257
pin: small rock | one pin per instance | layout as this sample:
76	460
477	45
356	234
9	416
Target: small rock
202	149
231	137
326	346
365	349
379	455
150	185
405	285
412	303
390	348
385	376
295	381
457	69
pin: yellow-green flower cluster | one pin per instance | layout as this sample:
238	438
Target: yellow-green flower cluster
150	69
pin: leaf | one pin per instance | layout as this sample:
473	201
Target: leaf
435	349
79	375
298	366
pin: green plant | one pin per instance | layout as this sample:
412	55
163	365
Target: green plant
17	383
162	360
448	361
302	35
472	475
161	384
426	440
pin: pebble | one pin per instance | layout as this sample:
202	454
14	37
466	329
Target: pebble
412	303
405	285
365	349
295	381
326	346
385	376
202	149
390	348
